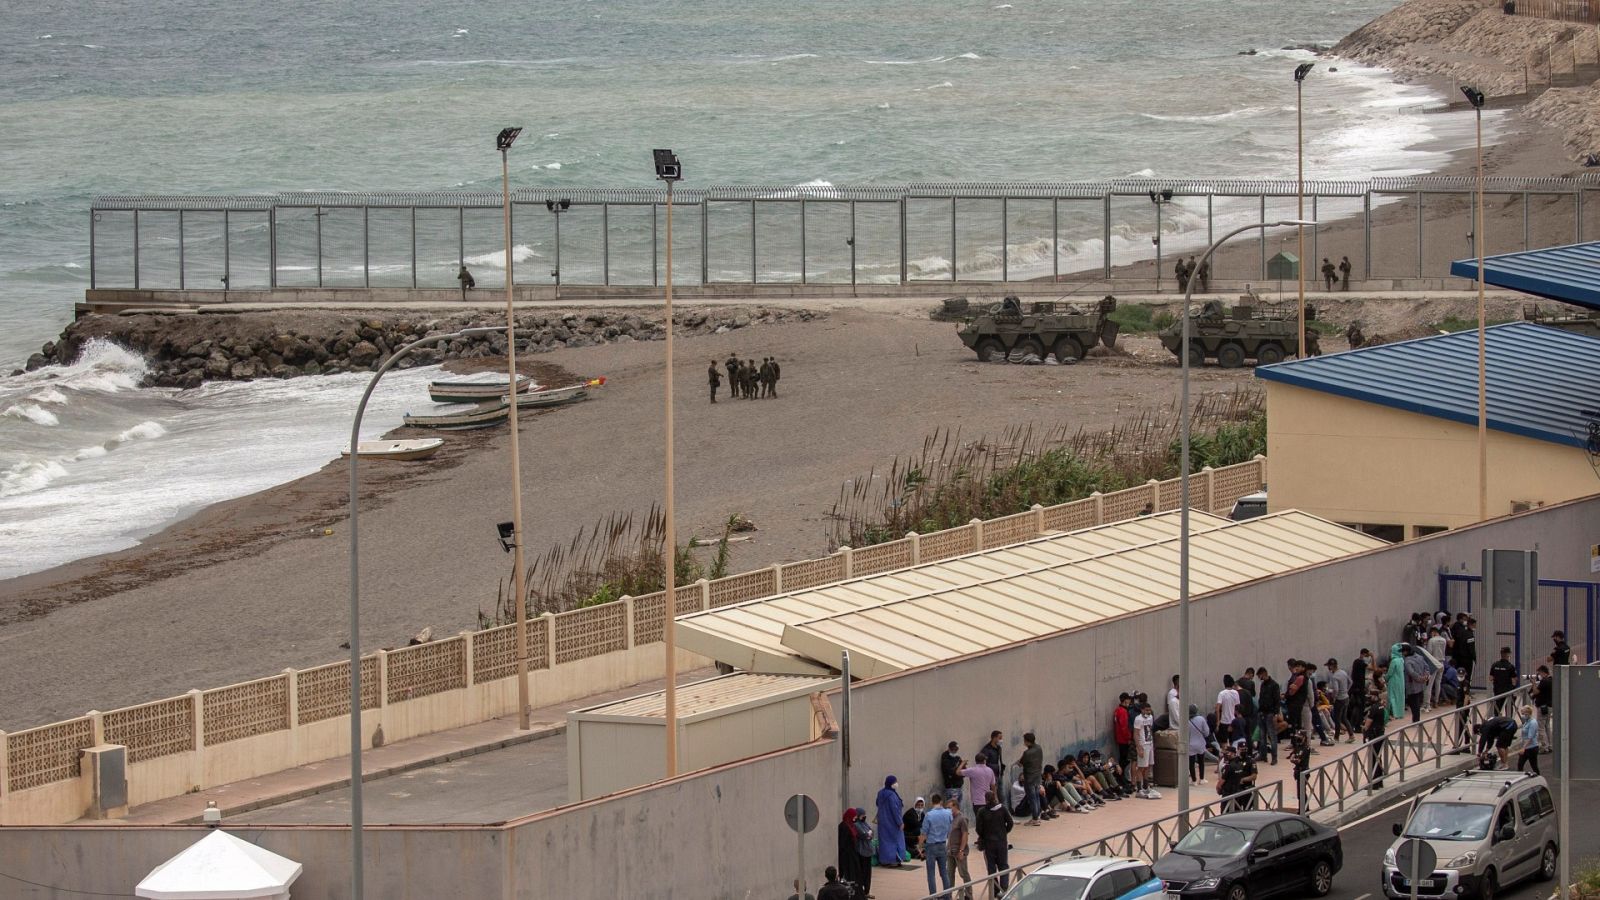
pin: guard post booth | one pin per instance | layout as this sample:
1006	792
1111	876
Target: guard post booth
619	745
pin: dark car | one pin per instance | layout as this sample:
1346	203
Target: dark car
1250	855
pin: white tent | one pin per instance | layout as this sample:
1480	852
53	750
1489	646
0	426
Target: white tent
221	867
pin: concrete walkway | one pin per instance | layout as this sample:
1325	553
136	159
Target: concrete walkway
433	759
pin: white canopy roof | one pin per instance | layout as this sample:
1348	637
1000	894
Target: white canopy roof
220	866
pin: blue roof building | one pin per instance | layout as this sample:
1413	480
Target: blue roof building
1386	437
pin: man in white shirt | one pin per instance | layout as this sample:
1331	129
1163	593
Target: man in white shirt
1175	716
1227	707
1437	643
1144	740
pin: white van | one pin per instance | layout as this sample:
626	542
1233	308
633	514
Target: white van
1489	830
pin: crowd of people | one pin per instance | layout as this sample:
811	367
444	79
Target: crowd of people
746	379
1248	723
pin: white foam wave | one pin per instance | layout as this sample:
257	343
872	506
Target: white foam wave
1241	113
793	56
496	259
942	84
143	431
28	412
29	475
49	395
919	62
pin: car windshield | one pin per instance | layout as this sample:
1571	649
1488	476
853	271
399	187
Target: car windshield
1213	839
1040	886
1450	821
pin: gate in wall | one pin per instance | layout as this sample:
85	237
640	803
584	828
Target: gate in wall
1568	606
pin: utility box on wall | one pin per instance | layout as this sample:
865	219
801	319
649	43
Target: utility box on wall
106	766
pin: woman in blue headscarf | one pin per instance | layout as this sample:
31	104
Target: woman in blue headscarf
891	837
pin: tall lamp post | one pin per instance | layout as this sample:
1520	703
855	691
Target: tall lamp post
1300	73
503	143
355	597
668	169
1185	359
1160	199
557	207
1475	97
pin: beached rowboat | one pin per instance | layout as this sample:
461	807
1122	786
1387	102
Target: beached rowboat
481	416
474	391
420	448
553	396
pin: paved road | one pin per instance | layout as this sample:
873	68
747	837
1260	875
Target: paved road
1365	843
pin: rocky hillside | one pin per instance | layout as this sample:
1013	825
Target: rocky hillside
186	349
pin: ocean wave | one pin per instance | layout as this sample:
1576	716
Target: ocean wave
919	62
143	431
496	259
793	56
49	395
28	412
29	475
1241	113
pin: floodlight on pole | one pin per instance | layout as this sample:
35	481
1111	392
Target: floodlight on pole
1159	198
355	595
556	208
668	169
1300	73
1479	238
519	576
1185	414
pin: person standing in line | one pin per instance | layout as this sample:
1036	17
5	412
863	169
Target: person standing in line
1327	273
1175	716
980	780
934	843
1030	767
1373	726
1502	678
994	826
1144	734
1268	707
1543	699
1296	697
849	859
1248	712
1200	739
1122	729
1417	678
1339	693
715	378
1436	645
959	844
864	851
1344	273
1467	656
1227	710
891	836
1360	678
1530	741
950	763
992	752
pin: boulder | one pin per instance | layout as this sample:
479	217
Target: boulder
363	354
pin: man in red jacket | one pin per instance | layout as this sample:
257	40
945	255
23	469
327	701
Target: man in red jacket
1122	732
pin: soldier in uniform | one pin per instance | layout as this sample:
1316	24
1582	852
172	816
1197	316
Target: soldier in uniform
1352	333
776	373
1328	273
716	379
766	376
1182	271
1189	269
1205	277
733	381
1344	273
752	383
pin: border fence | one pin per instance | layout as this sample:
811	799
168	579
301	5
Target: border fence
913	234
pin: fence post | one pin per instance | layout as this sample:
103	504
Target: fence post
550	637
5	765
293	695
705	594
627	620
1155	495
383	685
1038	518
977	534
198	706
468	653
1211	488
916	547
97	728
777	578
849	563
1099	507
1261	469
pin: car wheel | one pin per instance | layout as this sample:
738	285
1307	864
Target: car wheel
1547	863
1321	878
1068	348
1237	892
987	348
1268	354
1489	888
1032	345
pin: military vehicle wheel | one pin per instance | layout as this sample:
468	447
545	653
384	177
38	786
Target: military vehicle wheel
1197	355
1067	347
1230	356
987	348
1269	353
1031	345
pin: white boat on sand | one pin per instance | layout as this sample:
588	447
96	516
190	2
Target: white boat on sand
481	416
419	448
474	391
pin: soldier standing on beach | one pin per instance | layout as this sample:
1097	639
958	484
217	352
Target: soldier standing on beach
733	382
1327	273
1205	277
765	376
467	281
1182	271
716	379
1344	273
776	372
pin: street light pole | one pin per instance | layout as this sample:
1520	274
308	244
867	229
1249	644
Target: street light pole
518	577
1160	199
1300	73
1184	416
1475	97
669	170
355	599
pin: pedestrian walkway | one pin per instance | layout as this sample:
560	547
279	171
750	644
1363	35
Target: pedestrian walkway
547	726
1074	829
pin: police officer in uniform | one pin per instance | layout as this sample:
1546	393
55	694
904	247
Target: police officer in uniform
716	379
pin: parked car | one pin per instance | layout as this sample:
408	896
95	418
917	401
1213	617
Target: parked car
1489	830
1249	506
1251	855
1088	878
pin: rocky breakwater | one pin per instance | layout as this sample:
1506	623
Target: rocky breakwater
187	349
1502	55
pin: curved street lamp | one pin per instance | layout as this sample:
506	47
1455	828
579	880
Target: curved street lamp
1476	98
1300	73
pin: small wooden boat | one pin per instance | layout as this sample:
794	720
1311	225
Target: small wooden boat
474	391
481	416
546	396
420	448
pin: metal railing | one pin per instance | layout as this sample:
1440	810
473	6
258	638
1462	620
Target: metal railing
920	233
1423	744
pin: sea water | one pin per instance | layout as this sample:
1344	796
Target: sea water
211	97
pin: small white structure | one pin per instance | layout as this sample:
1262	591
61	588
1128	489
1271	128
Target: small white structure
220	866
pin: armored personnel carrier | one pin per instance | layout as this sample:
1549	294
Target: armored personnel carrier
1266	333
1065	329
1577	323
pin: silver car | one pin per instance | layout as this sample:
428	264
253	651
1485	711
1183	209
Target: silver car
1489	830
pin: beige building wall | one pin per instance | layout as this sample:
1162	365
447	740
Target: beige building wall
1362	463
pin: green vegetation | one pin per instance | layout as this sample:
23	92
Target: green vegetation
952	482
1321	327
1136	318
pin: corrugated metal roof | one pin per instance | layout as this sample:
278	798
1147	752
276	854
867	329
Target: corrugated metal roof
720	694
750	634
900	634
1570	274
1540	380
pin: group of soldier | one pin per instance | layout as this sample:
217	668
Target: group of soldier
1339	273
1186	270
746	379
